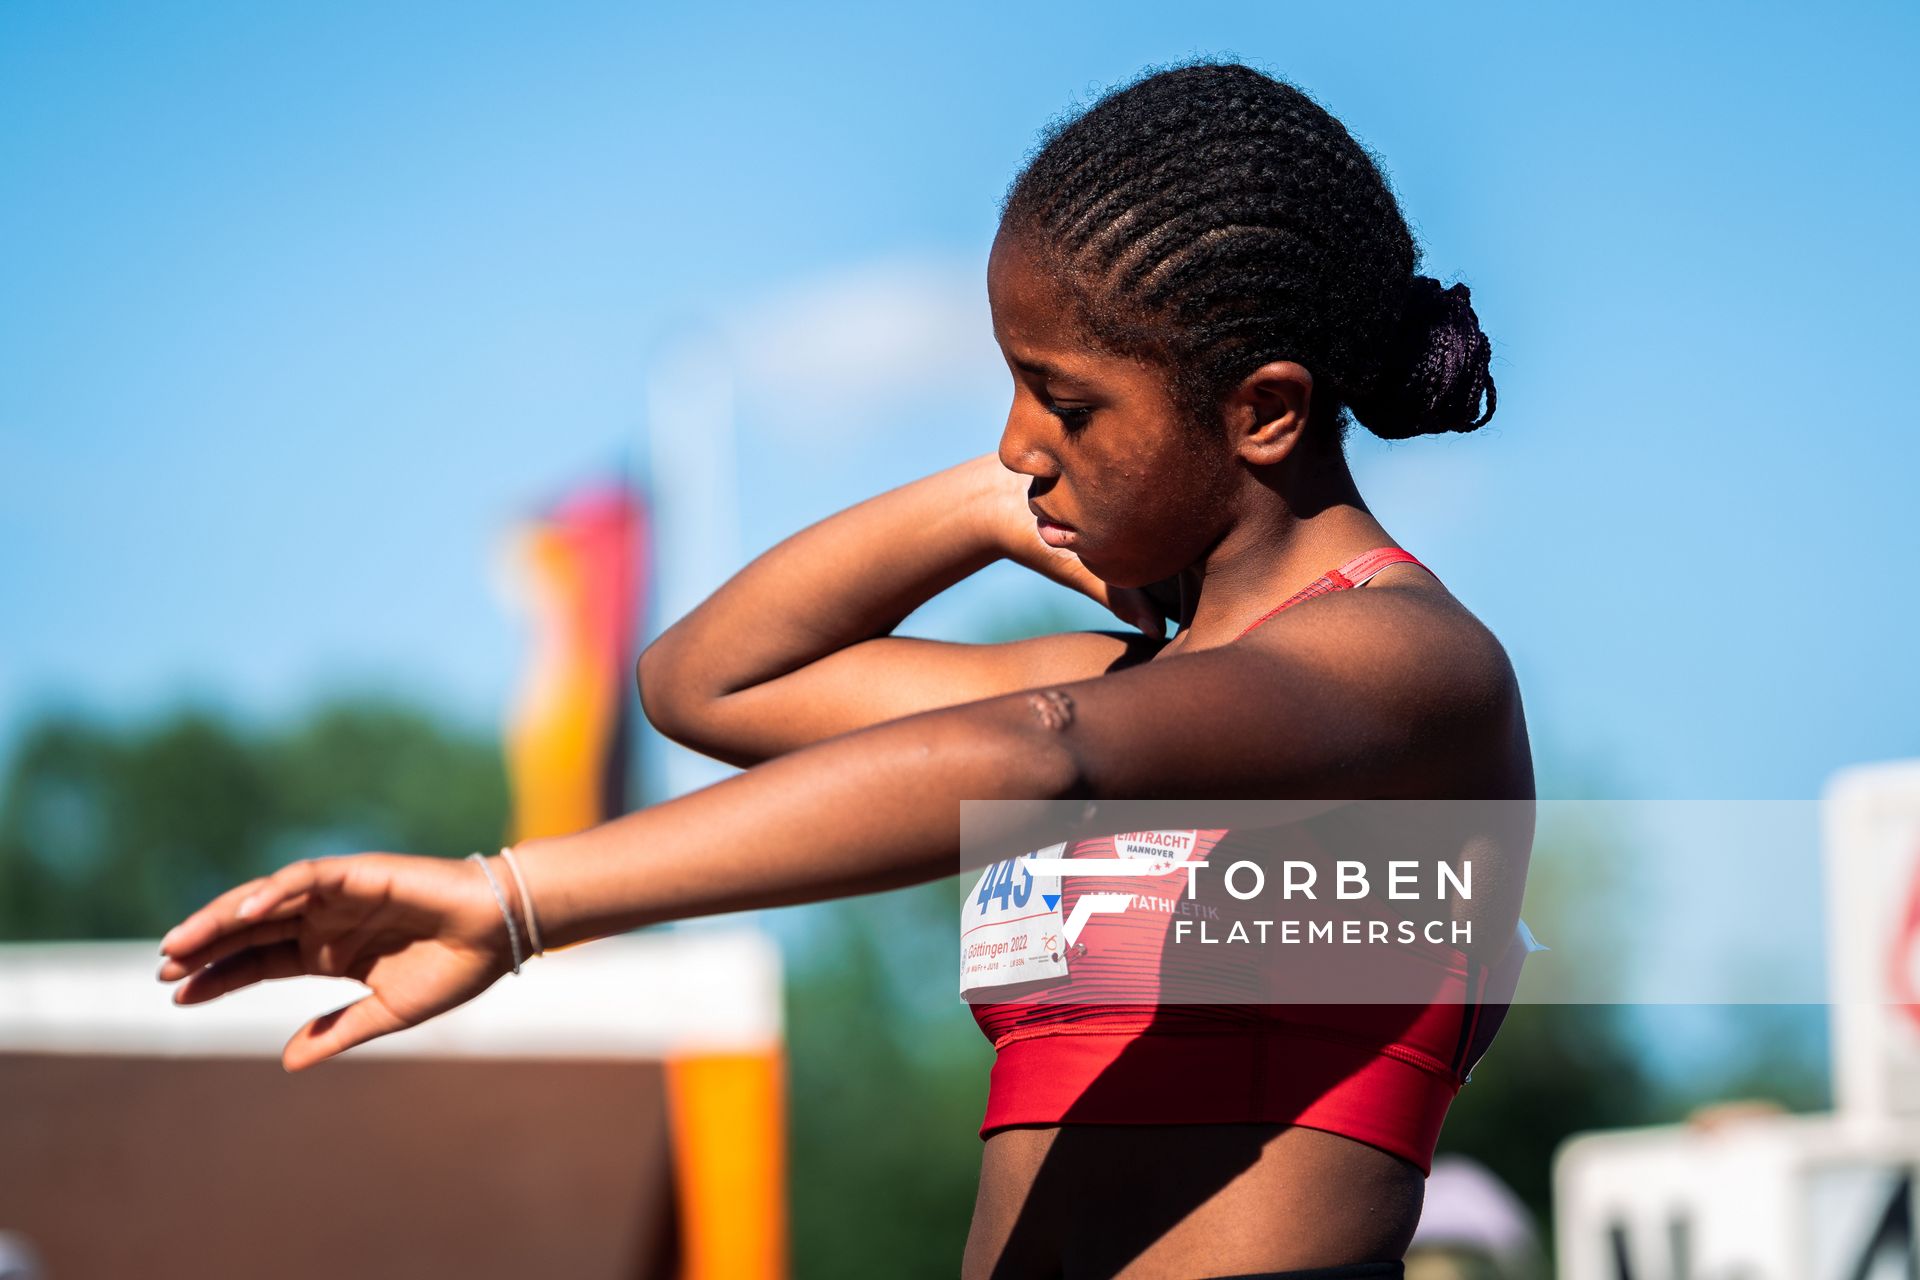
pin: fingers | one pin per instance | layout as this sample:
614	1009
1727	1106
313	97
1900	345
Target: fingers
184	963
295	878
336	1032
255	964
250	901
1152	625
1134	606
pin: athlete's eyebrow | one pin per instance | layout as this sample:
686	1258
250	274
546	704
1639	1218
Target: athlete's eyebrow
1046	370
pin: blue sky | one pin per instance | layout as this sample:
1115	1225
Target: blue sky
302	306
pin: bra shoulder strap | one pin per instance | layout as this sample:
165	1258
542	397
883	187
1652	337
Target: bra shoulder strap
1367	563
1351	574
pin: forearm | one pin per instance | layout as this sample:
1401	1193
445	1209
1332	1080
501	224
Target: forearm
848	578
875	810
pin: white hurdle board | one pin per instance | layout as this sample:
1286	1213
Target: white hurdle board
1812	1197
1871	824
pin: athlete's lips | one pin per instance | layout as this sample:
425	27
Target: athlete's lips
1043	517
1051	531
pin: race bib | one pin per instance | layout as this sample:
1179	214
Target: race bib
1011	928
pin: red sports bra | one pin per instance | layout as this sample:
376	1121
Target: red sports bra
1383	1074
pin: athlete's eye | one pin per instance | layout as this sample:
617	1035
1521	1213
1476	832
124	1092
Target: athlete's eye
1074	417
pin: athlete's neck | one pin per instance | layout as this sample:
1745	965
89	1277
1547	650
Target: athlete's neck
1295	523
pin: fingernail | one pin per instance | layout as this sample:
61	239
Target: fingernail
248	906
160	974
167	941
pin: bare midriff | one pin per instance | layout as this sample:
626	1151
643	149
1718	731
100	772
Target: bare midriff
1146	1201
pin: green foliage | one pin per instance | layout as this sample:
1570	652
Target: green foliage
119	831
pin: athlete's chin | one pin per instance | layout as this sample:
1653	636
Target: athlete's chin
1094	563
1123	565
1116	572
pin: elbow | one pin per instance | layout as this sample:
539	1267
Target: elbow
1043	744
684	711
663	696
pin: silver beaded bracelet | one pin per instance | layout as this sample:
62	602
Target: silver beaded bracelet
513	934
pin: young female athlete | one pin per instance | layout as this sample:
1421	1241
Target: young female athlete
1196	283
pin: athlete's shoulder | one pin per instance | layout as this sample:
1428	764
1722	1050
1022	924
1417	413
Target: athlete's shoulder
1403	639
1402	602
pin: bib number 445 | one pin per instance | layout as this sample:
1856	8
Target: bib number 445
1010	886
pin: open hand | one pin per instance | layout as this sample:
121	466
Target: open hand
424	933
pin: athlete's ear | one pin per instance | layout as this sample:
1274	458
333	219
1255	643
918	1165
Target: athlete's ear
1266	415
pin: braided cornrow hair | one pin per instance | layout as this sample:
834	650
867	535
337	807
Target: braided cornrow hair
1209	218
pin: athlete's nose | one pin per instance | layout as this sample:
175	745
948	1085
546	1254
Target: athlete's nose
1021	452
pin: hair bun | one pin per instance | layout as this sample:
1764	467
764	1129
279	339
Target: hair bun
1435	368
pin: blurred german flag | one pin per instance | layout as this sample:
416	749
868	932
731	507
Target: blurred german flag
580	571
